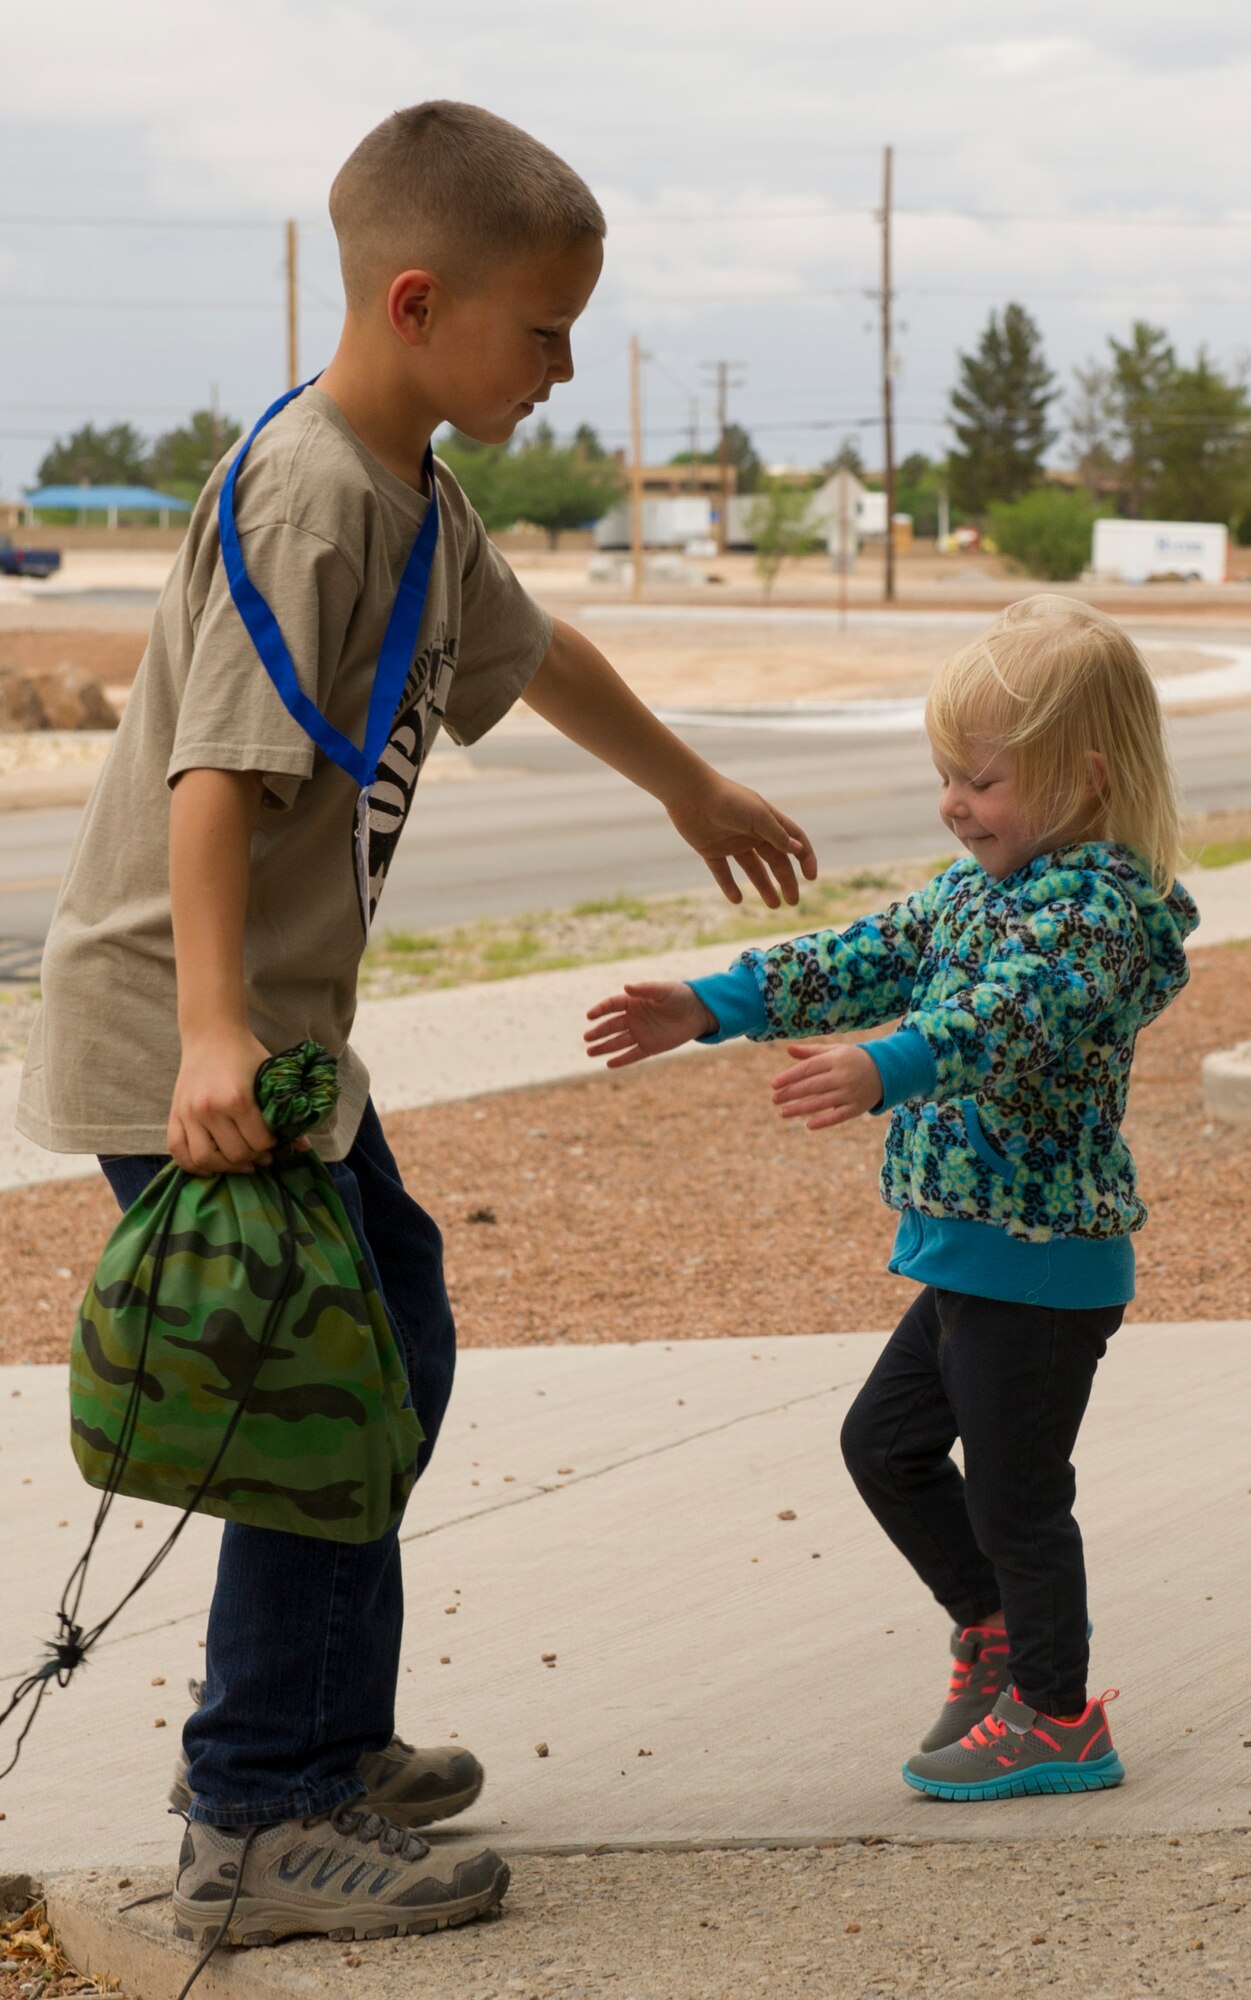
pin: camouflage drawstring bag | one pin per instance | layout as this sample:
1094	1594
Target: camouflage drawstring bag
232	1354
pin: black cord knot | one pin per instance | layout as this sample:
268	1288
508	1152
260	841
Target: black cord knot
67	1652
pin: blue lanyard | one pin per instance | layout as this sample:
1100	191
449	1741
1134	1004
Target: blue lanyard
398	645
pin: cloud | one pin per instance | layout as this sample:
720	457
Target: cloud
730	114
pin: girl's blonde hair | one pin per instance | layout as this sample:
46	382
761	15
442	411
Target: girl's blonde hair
1055	681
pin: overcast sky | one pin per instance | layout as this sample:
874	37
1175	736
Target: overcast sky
736	146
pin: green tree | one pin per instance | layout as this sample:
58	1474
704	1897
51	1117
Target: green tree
1047	532
586	440
1092	415
847	458
114	457
1140	372
479	470
999	407
1176	440
918	483
181	460
740	452
1202	446
778	524
556	487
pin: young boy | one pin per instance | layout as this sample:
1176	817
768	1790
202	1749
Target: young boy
216	907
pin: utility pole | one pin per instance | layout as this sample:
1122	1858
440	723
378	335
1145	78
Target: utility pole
721	370
888	372
293	322
697	477
636	467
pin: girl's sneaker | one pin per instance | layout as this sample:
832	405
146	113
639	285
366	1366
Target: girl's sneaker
1015	1750
979	1675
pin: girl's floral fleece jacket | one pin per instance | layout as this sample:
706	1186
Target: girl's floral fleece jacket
1006	1080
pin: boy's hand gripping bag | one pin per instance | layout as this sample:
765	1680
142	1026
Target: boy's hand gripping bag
232	1352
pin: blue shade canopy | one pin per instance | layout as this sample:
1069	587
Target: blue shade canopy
94	499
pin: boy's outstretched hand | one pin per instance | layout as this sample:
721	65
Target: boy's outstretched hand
646	1020
827	1086
724	821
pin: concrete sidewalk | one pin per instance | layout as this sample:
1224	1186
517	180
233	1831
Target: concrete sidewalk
724	1674
435	1047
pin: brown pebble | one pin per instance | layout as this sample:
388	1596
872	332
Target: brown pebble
510	1479
540	1750
159	1723
565	1470
124	1882
157	1681
354	1960
445	1659
449	1610
1038	1938
26	1482
852	1929
645	1753
548	1659
138	1524
62	1524
788	1514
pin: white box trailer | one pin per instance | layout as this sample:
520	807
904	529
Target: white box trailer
1136	551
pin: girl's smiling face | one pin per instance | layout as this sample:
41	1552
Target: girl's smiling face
983	810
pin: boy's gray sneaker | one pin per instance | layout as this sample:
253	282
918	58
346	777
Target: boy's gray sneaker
979	1675
410	1787
1015	1751
342	1875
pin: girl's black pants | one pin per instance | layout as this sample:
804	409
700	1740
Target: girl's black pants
1012	1383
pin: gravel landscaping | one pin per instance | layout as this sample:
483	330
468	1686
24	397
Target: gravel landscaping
671	1201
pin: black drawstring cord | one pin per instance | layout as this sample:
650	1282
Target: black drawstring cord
72	1644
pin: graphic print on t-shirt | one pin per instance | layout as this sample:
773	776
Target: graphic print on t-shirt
416	725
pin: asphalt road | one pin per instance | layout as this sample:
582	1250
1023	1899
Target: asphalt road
567	830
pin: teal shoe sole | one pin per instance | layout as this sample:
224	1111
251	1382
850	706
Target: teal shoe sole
1098	1776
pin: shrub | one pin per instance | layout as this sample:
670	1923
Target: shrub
1047	532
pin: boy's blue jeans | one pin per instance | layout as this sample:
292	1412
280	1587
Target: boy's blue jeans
303	1635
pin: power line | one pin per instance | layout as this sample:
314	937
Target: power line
810	213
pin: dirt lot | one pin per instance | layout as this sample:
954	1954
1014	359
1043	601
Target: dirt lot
672	1201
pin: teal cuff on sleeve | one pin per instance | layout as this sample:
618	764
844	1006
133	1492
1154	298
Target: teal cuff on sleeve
735	1000
905	1065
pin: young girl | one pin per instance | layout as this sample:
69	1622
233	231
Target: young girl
1023	974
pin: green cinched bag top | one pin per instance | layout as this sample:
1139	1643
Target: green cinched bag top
233	1354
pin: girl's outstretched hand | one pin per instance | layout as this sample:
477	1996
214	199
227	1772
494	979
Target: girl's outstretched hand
827	1086
645	1020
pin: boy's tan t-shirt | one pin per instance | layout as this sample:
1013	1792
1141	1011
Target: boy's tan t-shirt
325	531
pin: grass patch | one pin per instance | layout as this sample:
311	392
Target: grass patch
614	906
1223	853
603	928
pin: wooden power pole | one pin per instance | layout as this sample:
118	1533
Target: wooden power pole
636	467
888	373
293	313
721	370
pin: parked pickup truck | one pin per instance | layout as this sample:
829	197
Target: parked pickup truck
38	563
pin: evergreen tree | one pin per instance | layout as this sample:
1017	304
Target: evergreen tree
1000	408
1141	371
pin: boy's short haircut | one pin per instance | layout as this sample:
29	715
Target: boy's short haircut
452	187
